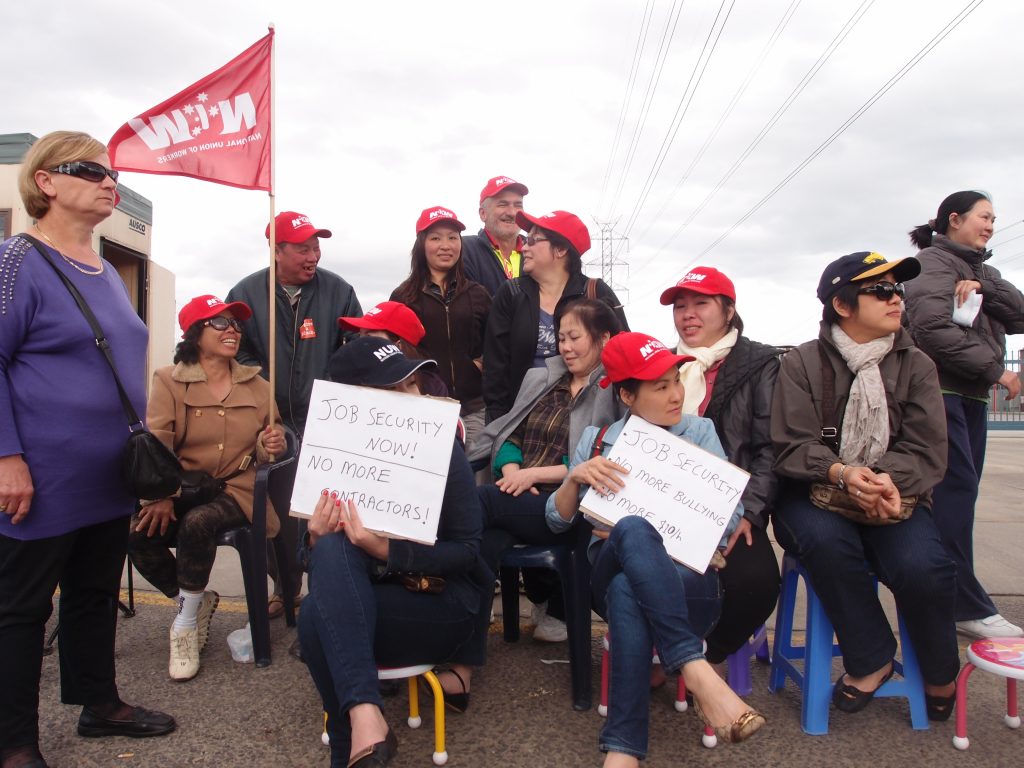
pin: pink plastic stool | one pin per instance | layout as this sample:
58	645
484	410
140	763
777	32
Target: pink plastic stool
1004	657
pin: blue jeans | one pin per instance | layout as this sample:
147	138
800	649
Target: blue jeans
840	557
954	497
649	601
350	624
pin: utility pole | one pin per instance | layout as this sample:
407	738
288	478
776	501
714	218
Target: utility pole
612	259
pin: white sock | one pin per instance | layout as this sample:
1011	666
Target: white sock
188	609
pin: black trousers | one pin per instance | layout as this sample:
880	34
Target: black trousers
87	564
292	531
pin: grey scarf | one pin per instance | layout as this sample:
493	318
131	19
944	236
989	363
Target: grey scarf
865	435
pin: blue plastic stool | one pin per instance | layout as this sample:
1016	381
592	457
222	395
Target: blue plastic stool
739	662
814	677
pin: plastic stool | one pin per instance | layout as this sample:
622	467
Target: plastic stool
1004	657
814	678
426	671
739	662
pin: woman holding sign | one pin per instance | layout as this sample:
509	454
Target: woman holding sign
730	381
648	599
860	436
375	601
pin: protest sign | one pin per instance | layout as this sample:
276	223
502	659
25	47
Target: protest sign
685	492
387	451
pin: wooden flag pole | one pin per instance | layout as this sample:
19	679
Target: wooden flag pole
272	240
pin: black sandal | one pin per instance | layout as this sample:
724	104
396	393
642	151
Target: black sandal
939	707
456	702
849	699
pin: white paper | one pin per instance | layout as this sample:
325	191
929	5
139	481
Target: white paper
685	492
388	451
964	314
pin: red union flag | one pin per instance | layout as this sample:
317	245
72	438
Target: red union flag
217	129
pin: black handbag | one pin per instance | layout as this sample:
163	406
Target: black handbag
150	470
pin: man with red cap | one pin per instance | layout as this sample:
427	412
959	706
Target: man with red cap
492	256
309	300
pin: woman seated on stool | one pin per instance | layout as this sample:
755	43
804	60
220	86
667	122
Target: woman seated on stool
649	600
355	619
529	448
888	446
214	414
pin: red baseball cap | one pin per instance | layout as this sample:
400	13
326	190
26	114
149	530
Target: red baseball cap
436	215
292	227
206	306
500	184
706	280
391	316
566	224
635	355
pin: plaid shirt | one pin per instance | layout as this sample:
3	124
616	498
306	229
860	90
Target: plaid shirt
543	436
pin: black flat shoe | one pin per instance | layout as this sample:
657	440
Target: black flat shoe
939	707
142	723
377	755
456	702
850	699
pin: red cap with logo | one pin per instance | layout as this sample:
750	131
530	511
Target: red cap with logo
500	184
635	355
292	227
436	215
706	280
566	224
206	306
391	316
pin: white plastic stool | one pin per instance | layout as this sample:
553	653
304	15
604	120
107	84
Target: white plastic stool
1003	657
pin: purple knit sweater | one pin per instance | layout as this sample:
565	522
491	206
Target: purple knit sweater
59	405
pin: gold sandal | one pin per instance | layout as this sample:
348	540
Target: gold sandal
740	729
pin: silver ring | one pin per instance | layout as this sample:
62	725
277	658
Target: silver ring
859	494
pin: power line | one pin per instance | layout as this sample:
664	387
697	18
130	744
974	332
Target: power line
787	15
1007	240
889	84
1008	226
681	109
627	97
652	87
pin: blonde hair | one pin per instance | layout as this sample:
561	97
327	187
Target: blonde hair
50	151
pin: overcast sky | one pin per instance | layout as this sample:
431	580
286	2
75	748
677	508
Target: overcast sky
385	108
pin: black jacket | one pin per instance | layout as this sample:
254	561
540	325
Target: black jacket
455	338
969	360
323	300
480	264
741	409
511	339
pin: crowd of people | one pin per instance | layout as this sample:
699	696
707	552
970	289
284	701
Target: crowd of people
864	448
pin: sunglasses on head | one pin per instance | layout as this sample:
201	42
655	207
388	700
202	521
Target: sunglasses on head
884	290
534	239
86	169
221	323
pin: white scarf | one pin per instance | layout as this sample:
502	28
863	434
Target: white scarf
865	435
691	374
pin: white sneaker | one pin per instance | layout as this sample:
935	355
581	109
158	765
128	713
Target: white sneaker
206	608
548	629
184	654
993	626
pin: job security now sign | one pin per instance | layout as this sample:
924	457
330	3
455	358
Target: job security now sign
685	492
387	451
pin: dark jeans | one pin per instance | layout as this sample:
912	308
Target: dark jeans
750	587
350	624
511	520
649	602
840	557
87	564
194	535
953	500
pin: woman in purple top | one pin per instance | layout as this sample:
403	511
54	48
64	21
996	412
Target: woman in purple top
63	507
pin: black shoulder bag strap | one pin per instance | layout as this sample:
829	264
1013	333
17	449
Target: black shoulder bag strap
829	428
134	422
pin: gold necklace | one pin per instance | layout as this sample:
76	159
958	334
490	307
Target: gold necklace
73	263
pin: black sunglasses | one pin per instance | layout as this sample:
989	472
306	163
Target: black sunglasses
86	169
221	323
884	291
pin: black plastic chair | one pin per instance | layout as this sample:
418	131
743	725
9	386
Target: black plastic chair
251	543
573	568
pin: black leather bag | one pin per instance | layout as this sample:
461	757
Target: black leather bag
149	468
198	487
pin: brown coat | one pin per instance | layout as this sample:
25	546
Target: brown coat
916	459
210	434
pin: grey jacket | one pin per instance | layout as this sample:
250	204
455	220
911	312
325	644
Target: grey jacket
593	406
969	360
